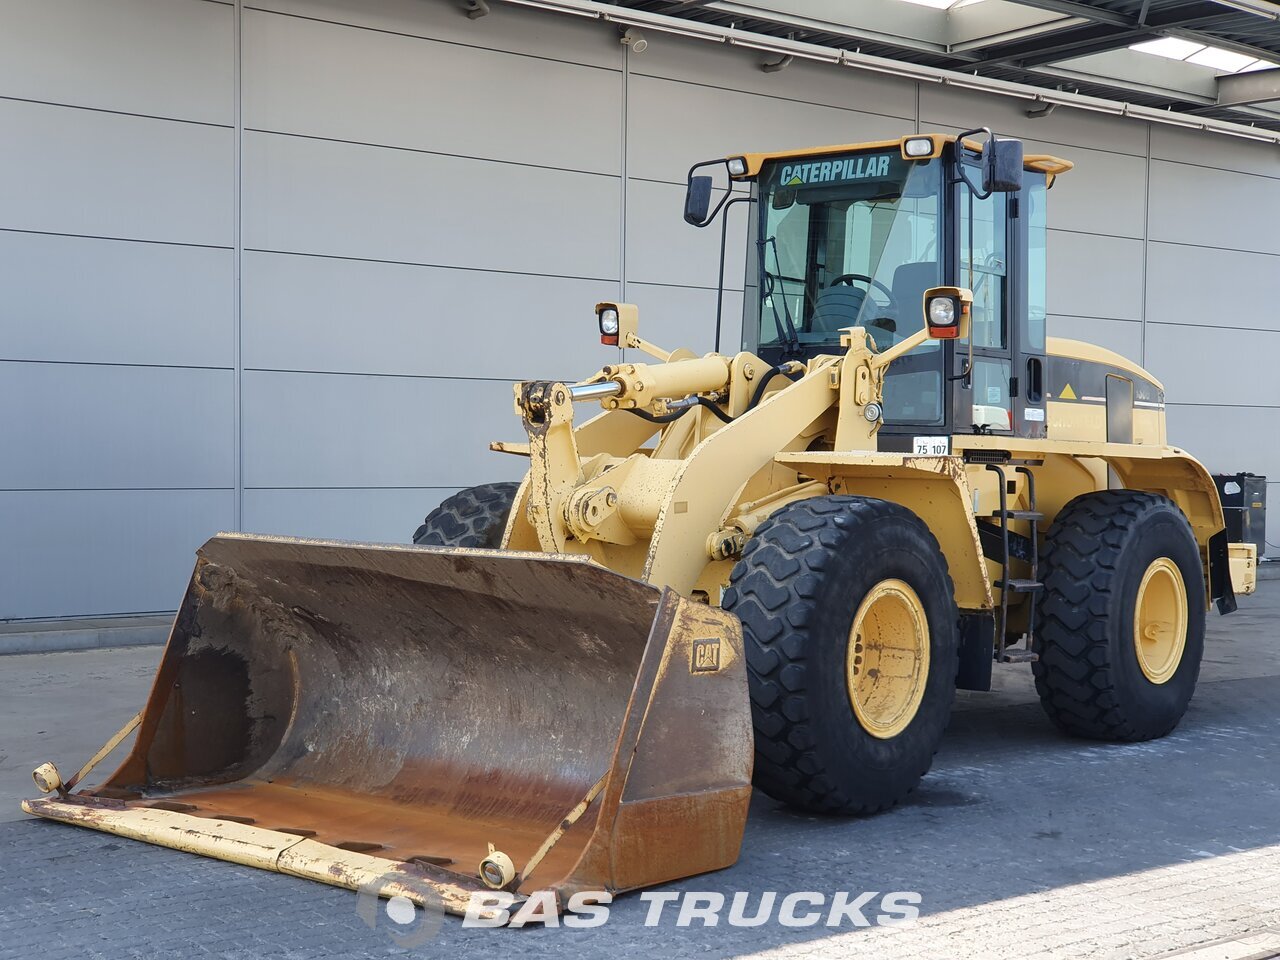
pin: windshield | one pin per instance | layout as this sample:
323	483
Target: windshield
853	240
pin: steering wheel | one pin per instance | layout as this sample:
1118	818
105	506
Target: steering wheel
871	282
886	323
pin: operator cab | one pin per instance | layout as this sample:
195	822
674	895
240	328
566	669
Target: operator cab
854	235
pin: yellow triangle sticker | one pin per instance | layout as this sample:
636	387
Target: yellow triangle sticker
1067	393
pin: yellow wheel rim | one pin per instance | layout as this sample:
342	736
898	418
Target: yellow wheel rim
887	662
1160	620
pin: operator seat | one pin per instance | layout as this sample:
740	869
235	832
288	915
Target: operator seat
910	281
837	307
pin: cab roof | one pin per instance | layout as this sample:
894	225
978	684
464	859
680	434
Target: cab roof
1050	166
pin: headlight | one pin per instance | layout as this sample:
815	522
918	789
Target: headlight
609	322
737	166
918	147
942	312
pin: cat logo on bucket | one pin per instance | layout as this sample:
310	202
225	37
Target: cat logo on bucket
706	656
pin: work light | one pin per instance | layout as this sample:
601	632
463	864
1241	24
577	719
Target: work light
608	317
918	147
942	312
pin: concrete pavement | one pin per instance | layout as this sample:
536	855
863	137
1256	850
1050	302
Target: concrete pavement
1020	843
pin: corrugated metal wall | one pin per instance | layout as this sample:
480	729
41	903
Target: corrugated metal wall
277	274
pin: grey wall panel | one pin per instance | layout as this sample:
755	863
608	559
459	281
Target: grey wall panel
102	552
1214	208
663	143
1210	287
109	175
166	58
325	80
353	316
348	200
675	317
948	106
1218	366
458	246
1122	336
662	248
377	515
572	39
1105	193
1227	439
72	425
1229	153
109	301
1094	276
801	83
336	430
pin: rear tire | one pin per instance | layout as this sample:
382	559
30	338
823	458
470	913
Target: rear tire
474	517
813	571
1107	670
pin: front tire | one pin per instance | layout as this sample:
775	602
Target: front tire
474	517
851	630
1121	626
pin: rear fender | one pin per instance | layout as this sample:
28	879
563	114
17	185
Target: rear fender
1184	480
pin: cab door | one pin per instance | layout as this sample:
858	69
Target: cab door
1000	374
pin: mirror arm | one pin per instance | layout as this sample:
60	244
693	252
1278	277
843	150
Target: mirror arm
723	200
724	239
960	148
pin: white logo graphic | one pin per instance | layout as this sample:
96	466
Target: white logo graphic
407	925
496	908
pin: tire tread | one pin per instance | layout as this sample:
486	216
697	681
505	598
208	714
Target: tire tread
772	590
474	517
1075	676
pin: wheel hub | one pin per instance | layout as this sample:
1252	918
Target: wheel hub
887	661
1160	620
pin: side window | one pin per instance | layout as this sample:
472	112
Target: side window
1037	260
781	264
984	261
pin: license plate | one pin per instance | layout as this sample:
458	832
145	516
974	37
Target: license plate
931	446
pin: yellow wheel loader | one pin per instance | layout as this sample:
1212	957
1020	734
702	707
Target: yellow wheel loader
772	567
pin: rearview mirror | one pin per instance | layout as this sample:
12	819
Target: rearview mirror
697	201
1002	166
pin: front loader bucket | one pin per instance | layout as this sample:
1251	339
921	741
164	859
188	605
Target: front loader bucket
365	714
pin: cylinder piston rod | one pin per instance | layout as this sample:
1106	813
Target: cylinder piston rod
595	391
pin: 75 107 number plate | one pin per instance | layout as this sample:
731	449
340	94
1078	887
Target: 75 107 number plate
931	446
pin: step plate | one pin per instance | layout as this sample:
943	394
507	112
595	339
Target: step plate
1019	656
